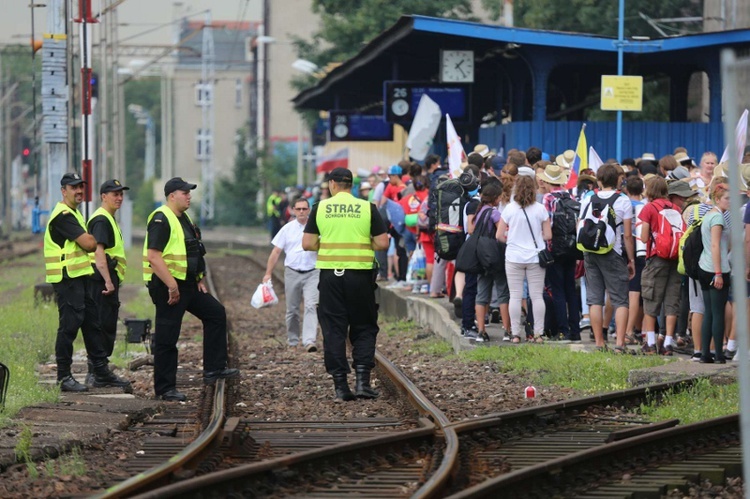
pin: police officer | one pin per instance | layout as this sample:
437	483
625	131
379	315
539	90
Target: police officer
109	269
173	269
66	258
346	232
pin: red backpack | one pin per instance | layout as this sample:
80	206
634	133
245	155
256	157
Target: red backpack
668	230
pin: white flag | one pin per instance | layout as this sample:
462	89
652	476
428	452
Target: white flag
423	128
456	154
740	139
594	160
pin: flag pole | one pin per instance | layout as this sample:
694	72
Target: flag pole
620	43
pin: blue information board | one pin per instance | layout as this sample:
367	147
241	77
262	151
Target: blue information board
401	99
350	125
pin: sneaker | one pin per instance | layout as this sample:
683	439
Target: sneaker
584	323
729	354
575	339
647	349
311	348
425	289
458	310
483	337
696	357
471	332
507	336
559	338
495	315
415	289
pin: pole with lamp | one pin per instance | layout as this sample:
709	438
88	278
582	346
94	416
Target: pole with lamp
309	68
143	117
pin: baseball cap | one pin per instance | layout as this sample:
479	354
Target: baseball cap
395	170
113	185
71	179
340	175
364	186
497	162
177	184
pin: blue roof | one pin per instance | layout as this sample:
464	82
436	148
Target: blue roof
579	41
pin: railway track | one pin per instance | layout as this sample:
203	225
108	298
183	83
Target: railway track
535	452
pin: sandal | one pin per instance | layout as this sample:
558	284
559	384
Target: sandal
516	339
630	339
539	339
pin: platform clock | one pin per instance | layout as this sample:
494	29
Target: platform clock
457	66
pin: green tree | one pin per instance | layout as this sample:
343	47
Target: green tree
345	26
146	93
600	17
235	196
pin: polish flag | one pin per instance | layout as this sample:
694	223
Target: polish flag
339	159
456	154
740	139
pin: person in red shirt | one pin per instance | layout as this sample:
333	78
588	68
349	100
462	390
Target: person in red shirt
395	184
660	281
411	203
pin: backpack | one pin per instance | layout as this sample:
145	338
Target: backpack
432	203
668	231
564	225
691	247
448	213
597	228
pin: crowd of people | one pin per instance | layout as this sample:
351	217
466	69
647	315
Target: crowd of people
601	254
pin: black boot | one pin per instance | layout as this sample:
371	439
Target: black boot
342	388
103	377
363	388
90	375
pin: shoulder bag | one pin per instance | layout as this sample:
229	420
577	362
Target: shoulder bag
545	256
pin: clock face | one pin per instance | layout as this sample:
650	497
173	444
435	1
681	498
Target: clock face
457	66
340	130
400	107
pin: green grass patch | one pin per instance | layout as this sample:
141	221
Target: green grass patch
399	327
702	401
587	372
434	346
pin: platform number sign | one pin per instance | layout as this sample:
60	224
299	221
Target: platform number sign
340	126
400	102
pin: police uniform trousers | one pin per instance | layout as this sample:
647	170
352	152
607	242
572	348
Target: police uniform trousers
77	310
347	307
109	309
167	331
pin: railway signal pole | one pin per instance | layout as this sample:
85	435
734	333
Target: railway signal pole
55	97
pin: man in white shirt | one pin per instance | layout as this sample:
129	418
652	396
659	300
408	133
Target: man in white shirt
300	278
609	271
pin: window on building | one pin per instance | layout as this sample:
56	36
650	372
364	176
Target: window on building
203	143
238	93
203	93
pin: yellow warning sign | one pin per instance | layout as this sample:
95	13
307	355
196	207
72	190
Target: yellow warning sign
622	93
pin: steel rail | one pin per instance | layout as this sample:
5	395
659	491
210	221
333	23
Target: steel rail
190	454
531	481
433	420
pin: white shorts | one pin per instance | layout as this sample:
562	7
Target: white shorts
696	297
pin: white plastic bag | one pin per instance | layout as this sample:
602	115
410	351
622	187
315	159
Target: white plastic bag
264	296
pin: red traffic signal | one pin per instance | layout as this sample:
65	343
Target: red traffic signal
26	151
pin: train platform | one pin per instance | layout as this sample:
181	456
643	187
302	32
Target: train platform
437	315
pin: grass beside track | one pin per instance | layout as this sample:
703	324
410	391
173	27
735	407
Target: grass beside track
586	372
28	331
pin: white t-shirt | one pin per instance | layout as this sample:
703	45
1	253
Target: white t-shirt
289	239
623	211
521	248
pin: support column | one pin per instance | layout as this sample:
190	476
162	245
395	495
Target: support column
678	95
714	93
541	77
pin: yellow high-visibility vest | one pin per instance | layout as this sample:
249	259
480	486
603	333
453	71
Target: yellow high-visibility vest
70	256
116	252
344	226
175	252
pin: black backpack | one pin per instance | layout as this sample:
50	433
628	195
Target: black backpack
691	251
564	227
448	215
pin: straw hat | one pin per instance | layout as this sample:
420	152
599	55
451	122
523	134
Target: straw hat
647	156
482	150
682	157
553	174
566	159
